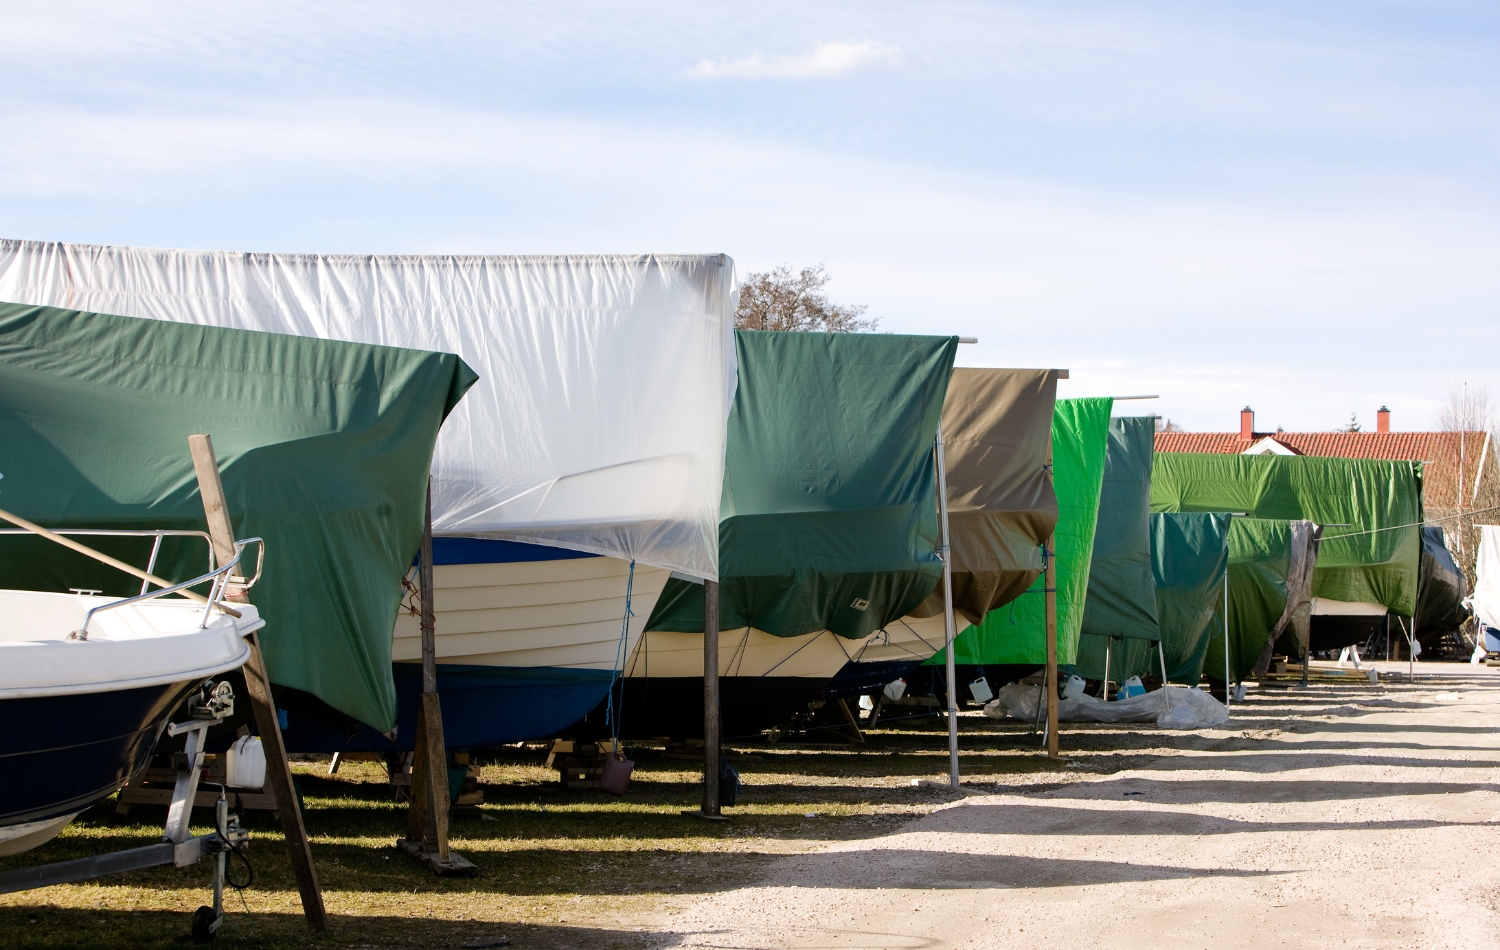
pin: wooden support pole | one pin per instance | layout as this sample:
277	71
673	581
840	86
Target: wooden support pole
711	737
262	703
852	721
427	813
1051	597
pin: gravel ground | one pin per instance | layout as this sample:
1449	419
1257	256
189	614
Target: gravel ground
1349	816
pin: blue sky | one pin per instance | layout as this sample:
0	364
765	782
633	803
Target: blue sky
1290	205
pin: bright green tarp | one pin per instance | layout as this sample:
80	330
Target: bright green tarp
1373	563
324	449
829	512
1017	632
1260	557
1189	554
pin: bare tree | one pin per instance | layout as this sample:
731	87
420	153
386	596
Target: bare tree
780	300
1461	488
1167	425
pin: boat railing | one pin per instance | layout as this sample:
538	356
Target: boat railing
158	534
220	580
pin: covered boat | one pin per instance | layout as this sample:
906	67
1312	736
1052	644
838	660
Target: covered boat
86	686
1011	642
828	532
1370	510
324	448
596	427
1119	612
1001	509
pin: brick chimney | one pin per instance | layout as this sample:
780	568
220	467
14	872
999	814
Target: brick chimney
1247	424
1382	419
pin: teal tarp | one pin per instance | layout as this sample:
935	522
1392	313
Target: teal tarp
1122	595
1375	559
1189	555
829	512
324	449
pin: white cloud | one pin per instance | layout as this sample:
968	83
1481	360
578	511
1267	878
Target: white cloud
826	59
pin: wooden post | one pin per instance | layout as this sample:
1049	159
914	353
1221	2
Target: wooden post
711	737
427	813
1051	597
258	685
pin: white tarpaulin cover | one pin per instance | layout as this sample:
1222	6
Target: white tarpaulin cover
1486	596
598	422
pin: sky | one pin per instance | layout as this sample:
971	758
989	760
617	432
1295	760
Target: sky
1290	206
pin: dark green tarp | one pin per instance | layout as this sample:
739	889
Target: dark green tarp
1121	594
1017	632
829	512
324	449
1189	555
997	425
1260	562
1375	559
1440	607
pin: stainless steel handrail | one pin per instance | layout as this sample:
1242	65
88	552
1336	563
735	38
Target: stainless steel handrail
220	578
157	533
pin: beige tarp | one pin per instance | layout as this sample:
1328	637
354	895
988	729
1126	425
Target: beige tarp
997	427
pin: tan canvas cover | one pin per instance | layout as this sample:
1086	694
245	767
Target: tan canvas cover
997	429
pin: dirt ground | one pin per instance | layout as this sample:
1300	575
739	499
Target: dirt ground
1345	815
1332	816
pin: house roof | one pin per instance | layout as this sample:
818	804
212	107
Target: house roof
1399	446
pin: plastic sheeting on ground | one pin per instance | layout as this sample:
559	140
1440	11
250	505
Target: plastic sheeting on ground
1178	707
324	448
830	494
597	423
1016	633
1375	559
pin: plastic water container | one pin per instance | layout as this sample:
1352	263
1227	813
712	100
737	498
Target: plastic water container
245	764
980	690
1073	688
865	702
1131	687
895	689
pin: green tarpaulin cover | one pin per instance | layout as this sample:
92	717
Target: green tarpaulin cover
1189	555
1017	632
1122	595
1260	559
829	512
324	449
1375	560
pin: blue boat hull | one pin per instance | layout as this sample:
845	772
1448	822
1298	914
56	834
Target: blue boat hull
483	707
64	753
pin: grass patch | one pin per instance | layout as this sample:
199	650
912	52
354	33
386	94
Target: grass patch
558	867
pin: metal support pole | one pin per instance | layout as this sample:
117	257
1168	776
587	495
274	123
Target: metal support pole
1104	688
949	632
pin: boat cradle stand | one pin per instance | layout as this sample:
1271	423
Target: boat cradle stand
177	847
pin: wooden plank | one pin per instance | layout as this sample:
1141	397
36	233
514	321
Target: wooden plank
215	509
258	685
853	722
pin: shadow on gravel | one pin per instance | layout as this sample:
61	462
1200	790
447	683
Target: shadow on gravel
1036	819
